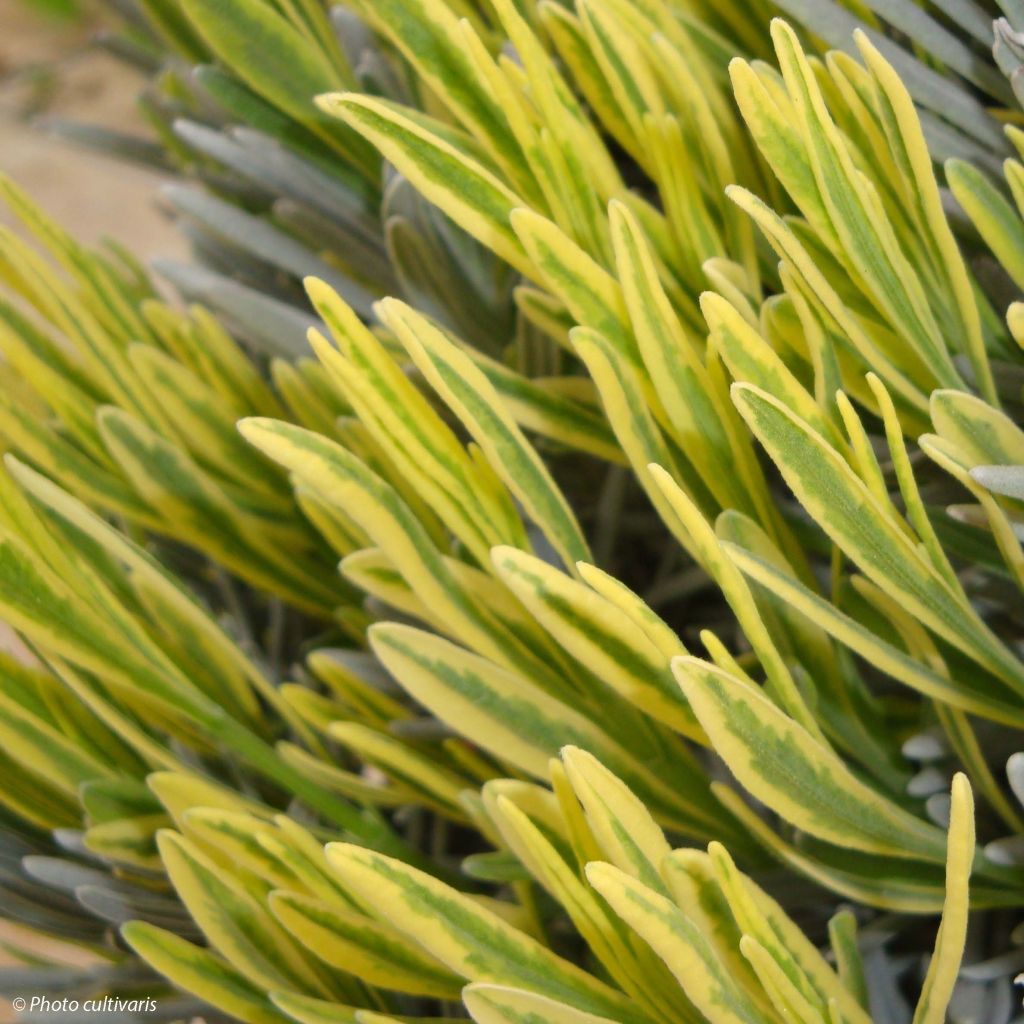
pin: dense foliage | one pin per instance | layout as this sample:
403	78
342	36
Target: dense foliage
655	373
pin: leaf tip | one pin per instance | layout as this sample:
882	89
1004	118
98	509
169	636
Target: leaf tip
337	104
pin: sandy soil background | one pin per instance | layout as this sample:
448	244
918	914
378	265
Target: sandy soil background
50	68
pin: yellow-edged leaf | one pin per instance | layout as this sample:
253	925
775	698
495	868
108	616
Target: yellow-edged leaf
800	778
199	971
373	952
471	940
949	945
676	939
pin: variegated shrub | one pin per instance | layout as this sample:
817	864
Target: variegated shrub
654	370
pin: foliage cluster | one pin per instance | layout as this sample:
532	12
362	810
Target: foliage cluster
656	378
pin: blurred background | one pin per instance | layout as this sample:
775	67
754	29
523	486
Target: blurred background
50	68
